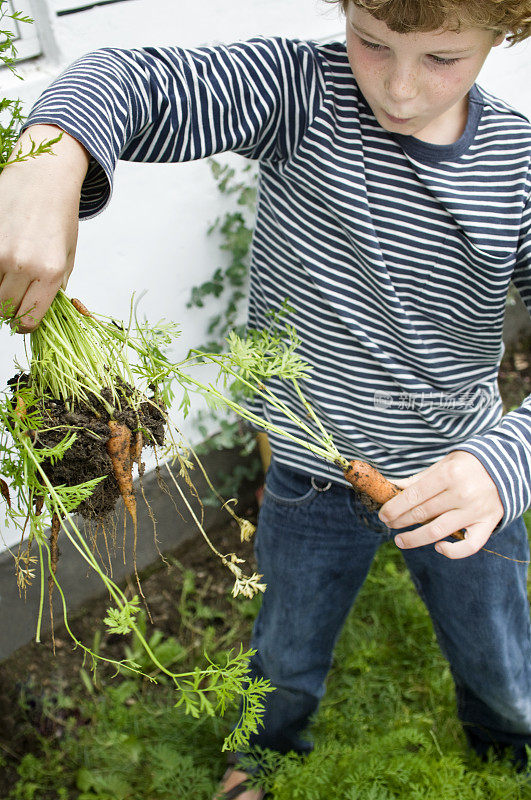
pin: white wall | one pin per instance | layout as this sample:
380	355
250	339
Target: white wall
153	235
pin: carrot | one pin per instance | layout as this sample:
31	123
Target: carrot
135	453
78	305
20	408
54	550
119	450
368	481
124	450
4	491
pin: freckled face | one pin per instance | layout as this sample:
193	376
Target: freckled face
416	83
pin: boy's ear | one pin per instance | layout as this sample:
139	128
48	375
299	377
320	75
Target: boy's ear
500	38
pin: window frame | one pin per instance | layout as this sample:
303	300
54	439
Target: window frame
27	41
37	40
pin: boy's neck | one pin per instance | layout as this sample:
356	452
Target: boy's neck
448	128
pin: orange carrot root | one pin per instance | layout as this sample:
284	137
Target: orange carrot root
119	450
20	408
137	444
78	305
4	491
367	479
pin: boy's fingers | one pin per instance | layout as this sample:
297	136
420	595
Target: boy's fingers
430	533
423	511
417	492
477	535
12	291
35	304
404	482
68	270
27	291
438	532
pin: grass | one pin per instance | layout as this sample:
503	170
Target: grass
386	729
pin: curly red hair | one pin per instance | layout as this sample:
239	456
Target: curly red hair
511	17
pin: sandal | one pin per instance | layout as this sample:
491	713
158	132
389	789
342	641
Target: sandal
236	791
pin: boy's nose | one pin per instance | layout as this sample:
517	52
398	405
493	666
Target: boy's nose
401	85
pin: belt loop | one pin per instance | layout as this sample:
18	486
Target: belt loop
317	488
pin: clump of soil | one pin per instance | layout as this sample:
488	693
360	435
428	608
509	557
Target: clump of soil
87	458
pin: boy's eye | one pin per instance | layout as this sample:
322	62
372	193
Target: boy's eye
445	62
372	45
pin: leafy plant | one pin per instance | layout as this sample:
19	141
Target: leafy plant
108	371
246	367
167	649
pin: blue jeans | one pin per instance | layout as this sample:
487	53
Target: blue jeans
315	543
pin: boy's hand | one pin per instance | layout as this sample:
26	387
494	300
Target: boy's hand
456	492
39	206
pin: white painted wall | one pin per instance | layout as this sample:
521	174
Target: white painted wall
153	234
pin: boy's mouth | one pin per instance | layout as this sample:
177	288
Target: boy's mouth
397	120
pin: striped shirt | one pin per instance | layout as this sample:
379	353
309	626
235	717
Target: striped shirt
395	254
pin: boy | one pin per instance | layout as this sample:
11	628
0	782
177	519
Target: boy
394	210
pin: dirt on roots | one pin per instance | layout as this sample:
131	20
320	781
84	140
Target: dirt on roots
88	458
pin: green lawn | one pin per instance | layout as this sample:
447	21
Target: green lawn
386	730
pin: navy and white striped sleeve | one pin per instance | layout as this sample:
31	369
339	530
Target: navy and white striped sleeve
170	104
505	451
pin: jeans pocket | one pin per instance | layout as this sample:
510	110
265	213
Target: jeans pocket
288	488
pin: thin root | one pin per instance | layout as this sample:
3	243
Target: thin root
54	558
